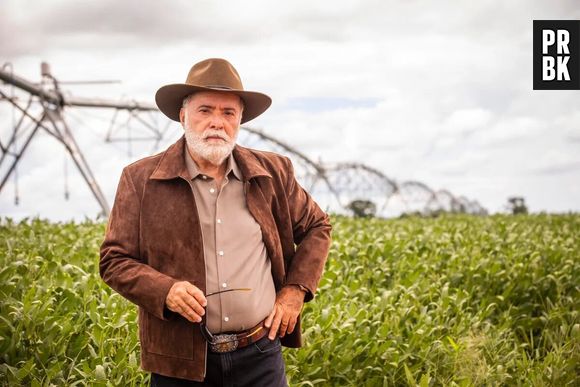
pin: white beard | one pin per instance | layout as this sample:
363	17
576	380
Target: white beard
214	153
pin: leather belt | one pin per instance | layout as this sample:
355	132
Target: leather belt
228	342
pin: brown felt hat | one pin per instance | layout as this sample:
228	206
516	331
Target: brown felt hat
211	75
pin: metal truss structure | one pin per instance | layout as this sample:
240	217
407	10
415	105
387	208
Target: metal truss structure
43	109
41	106
336	186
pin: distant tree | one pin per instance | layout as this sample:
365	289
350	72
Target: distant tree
517	205
438	212
412	214
362	208
460	208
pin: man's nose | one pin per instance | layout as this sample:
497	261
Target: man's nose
216	121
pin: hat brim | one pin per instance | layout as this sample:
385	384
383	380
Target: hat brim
169	99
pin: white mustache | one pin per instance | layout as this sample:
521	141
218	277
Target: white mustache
215	133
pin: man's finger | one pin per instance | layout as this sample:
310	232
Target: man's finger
182	311
170	305
276	323
291	325
270	317
191	317
187	312
192	313
193	304
283	326
197	294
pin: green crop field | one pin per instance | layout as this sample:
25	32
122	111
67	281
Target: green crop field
456	300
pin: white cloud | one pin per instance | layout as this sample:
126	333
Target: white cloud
465	121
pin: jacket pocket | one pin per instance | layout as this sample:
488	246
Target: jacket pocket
169	338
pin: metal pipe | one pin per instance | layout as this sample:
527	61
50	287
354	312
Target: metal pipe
58	99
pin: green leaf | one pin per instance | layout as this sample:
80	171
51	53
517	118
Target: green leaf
410	379
100	372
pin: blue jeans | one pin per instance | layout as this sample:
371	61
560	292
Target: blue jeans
258	364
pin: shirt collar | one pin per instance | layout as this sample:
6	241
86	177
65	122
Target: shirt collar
193	169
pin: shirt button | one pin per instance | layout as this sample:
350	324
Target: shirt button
219	221
212	190
224	285
226	319
221	253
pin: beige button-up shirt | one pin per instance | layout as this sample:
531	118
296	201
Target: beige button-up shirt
235	254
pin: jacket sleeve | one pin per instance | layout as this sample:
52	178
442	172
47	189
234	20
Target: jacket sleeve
311	229
121	266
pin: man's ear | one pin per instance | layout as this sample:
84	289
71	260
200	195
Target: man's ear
182	116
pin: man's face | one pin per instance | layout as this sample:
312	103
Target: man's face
211	121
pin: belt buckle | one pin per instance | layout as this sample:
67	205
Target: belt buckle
224	343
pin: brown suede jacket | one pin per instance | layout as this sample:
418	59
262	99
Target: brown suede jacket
153	240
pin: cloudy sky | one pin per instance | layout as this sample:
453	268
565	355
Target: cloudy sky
439	92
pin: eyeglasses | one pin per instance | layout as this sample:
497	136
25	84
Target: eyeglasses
207	335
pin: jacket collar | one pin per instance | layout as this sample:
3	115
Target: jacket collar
172	163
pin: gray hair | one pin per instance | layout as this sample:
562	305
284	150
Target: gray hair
186	100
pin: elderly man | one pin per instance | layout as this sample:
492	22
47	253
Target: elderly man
217	244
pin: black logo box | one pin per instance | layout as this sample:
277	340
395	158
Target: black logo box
573	28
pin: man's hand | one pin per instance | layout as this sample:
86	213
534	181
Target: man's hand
187	300
286	310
